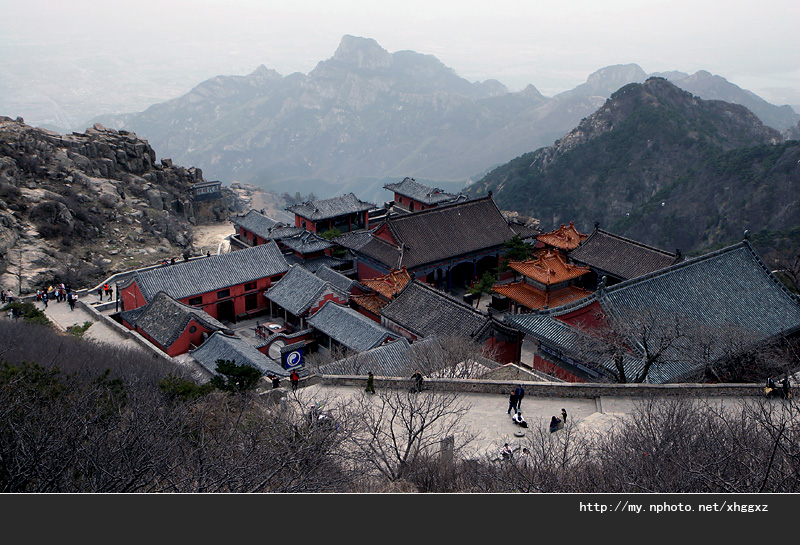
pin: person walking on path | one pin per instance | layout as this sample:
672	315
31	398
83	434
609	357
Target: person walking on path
370	383
45	297
512	402
295	379
564	415
519	391
418	380
71	300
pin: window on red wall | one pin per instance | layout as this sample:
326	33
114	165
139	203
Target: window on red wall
222	294
249	286
196	300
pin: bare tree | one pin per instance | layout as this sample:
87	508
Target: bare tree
397	430
453	357
630	348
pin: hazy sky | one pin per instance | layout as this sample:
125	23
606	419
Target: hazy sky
553	45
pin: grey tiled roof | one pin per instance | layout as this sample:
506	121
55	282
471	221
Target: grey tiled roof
189	278
394	359
349	327
441	233
337	279
165	319
307	243
723	293
426	311
330	208
226	347
299	289
621	257
354	239
256	222
281	232
567	340
420	192
313	264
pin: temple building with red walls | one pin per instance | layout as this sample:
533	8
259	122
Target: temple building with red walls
346	213
419	311
173	327
449	245
670	325
412	196
225	286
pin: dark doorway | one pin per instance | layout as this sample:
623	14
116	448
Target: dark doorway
251	301
225	311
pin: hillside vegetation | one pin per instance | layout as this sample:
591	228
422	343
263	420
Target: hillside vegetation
85	417
365	117
664	167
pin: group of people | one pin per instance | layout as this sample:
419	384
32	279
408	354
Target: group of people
6	296
294	379
58	293
106	289
773	389
515	404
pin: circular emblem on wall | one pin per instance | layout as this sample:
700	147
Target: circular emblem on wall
293	358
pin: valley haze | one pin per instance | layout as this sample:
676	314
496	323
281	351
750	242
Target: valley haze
64	63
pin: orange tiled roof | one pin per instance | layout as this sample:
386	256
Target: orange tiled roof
549	268
390	284
528	296
565	237
372	303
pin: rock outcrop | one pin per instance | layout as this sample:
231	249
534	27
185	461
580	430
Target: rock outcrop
79	206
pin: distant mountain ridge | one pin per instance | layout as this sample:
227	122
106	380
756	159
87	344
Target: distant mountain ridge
366	116
662	166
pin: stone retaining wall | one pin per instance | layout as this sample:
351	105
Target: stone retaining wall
551	389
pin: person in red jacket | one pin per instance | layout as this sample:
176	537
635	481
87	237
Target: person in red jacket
295	378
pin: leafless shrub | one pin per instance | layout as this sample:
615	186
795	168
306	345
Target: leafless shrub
397	433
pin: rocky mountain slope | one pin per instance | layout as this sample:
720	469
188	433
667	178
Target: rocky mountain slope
367	116
77	207
662	166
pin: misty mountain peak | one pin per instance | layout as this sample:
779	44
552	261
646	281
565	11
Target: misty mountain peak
362	53
616	76
531	92
605	81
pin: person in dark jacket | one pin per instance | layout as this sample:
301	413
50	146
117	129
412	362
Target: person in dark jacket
418	380
555	424
370	383
512	402
519	391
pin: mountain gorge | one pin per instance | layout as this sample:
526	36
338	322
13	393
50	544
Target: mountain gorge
366	116
662	166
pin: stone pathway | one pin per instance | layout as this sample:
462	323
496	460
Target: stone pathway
63	317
